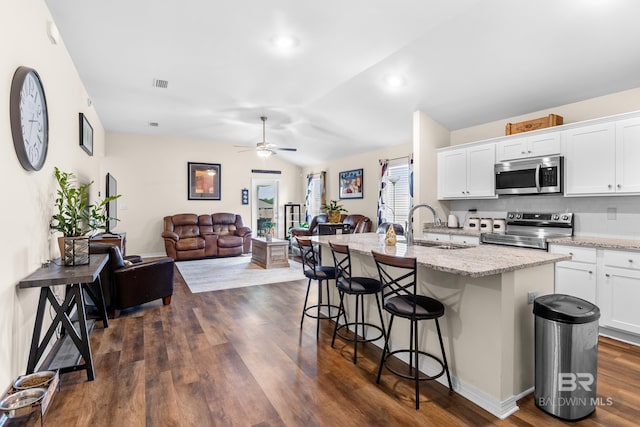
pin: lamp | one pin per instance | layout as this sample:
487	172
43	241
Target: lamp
394	180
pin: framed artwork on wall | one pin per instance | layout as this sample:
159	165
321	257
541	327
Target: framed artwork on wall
350	184
86	135
203	181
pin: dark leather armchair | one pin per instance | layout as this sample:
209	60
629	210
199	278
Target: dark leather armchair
125	286
357	223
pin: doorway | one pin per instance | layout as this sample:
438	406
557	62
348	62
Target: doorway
265	205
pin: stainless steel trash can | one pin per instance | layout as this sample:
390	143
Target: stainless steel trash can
566	355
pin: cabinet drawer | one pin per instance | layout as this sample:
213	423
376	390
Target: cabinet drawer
622	259
469	240
437	236
578	253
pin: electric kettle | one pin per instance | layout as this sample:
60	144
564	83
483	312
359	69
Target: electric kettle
452	221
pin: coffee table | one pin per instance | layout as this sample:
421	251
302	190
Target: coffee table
273	254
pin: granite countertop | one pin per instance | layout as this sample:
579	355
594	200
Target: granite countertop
598	242
473	261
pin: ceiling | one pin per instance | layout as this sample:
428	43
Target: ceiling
464	62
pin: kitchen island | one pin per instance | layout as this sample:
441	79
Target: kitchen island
488	323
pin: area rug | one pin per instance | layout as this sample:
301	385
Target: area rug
214	274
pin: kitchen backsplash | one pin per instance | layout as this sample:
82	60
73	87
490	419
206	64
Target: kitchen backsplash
594	216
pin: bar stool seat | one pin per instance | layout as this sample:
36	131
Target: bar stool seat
398	278
314	270
358	286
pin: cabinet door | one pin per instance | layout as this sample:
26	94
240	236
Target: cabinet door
452	174
590	160
437	236
510	149
544	145
628	156
481	160
577	279
620	293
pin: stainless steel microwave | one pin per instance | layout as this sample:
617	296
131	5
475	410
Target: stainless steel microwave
540	175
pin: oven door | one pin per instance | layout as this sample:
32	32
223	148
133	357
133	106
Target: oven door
529	176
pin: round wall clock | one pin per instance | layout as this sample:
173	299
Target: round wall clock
29	119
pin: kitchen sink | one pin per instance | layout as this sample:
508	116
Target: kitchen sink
440	245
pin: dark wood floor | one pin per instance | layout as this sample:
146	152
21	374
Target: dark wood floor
237	357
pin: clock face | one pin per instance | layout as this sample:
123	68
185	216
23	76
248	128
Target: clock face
29	119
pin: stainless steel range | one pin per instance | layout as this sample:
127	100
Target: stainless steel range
531	230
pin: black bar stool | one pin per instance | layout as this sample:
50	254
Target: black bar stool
314	270
358	286
398	278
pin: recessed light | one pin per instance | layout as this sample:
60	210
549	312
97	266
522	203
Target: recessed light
284	42
394	81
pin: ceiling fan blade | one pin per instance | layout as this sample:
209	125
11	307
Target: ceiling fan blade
284	149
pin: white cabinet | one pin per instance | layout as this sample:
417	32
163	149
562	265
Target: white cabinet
603	158
577	277
628	156
590	159
619	290
467	173
454	238
531	146
437	237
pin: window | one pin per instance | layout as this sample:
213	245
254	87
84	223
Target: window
395	197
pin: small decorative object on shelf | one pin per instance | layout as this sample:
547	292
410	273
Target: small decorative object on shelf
390	238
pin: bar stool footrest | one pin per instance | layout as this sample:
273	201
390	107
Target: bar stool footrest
421	376
357	337
329	307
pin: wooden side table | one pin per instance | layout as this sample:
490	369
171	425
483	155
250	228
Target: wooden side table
78	279
333	228
273	254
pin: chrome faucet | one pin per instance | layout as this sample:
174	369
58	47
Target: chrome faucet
409	227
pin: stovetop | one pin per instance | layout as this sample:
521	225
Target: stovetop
532	229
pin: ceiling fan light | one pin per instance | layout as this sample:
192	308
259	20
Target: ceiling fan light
264	153
284	42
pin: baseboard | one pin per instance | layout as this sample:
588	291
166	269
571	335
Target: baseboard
619	335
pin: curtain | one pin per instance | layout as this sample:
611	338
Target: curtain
410	181
384	163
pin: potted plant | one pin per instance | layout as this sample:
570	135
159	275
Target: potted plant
75	217
333	210
268	229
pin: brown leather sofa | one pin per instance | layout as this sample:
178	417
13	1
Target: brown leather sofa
125	286
357	224
191	236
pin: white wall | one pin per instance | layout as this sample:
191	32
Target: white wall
28	196
369	163
152	178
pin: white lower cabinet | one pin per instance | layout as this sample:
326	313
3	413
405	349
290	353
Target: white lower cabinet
608	278
576	277
619	290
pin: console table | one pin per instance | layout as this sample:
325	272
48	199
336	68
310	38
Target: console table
77	279
333	228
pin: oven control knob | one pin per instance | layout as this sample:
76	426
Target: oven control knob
565	217
518	216
556	217
510	216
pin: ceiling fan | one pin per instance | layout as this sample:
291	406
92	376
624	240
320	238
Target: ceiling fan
264	148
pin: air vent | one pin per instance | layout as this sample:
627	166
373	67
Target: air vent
153	124
160	83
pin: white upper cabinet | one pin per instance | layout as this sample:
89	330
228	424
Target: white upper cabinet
603	158
628	156
467	173
532	146
590	160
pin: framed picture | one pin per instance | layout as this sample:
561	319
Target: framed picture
86	135
203	181
351	184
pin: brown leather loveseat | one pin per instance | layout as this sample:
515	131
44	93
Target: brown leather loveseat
191	236
357	224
